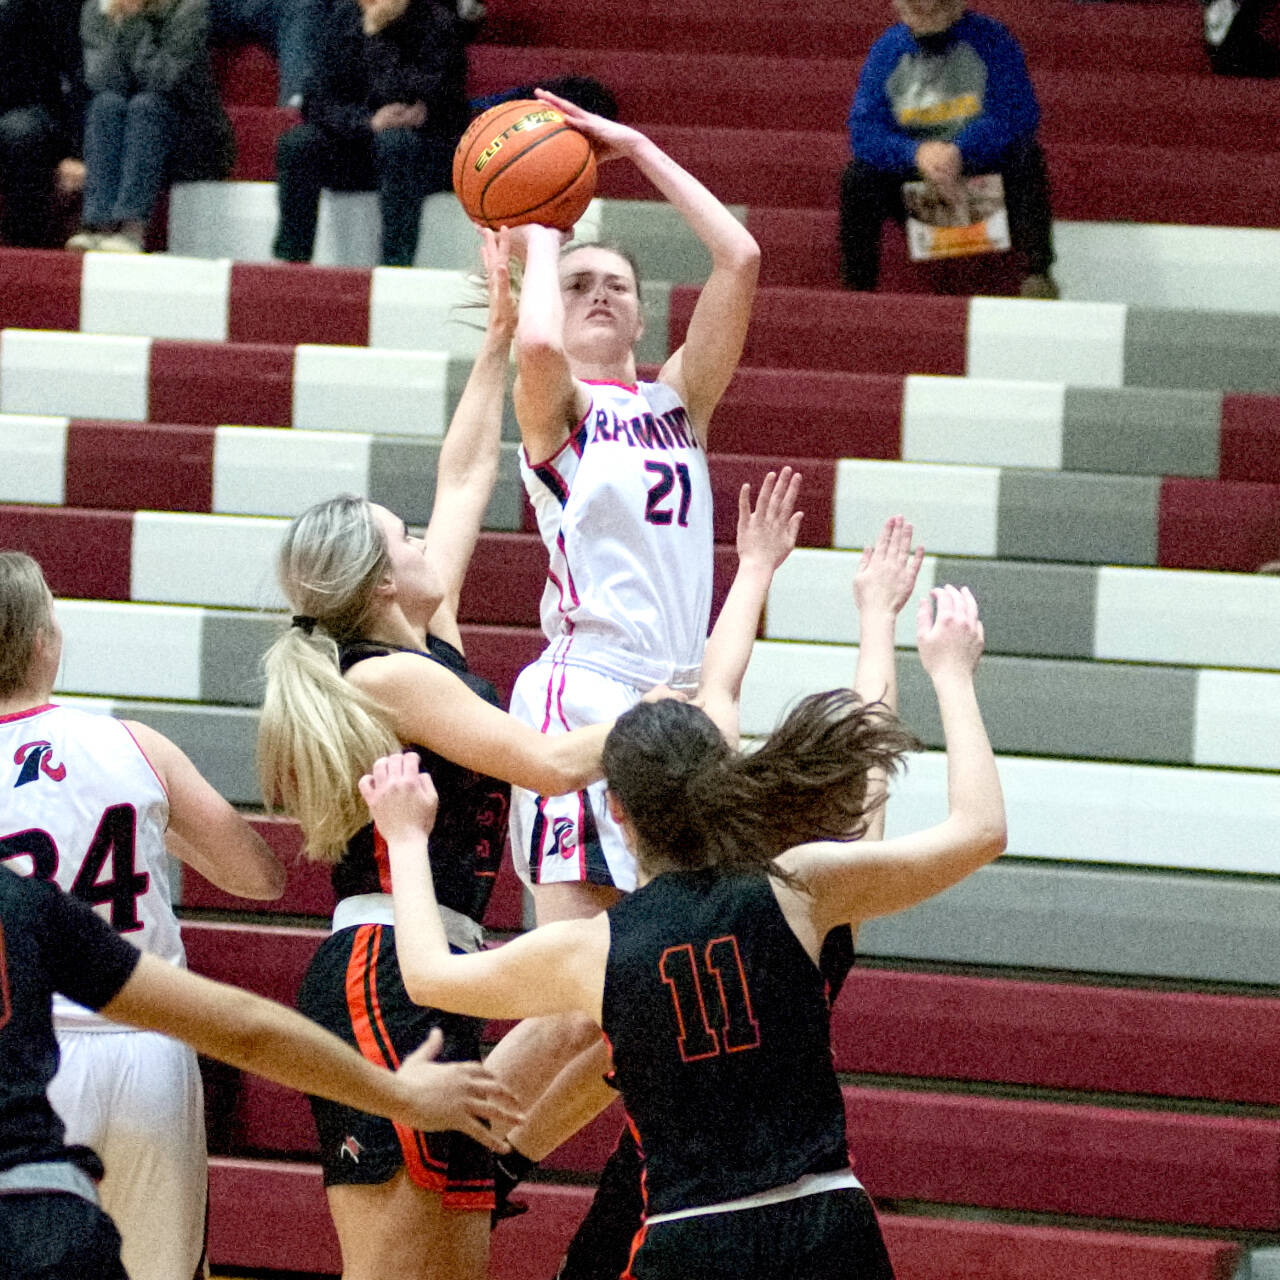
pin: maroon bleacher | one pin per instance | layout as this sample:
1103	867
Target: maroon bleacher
271	1215
1216	524
298	303
1054	1035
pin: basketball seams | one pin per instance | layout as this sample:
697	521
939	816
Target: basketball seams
550	200
570	172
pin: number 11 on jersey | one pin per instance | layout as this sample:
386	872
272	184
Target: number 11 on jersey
738	1028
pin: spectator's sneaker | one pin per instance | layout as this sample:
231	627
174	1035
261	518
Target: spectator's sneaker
1039	286
118	242
84	240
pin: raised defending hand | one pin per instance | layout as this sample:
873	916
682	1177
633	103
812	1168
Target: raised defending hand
767	533
495	254
949	633
401	798
611	140
886	574
461	1096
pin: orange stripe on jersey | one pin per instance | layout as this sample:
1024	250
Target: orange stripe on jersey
467	1200
358	975
376	1045
638	1239
628	1274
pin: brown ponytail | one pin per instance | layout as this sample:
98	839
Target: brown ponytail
695	803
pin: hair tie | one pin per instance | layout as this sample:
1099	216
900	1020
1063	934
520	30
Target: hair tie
307	624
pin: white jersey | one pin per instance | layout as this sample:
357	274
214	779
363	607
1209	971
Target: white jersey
83	807
624	509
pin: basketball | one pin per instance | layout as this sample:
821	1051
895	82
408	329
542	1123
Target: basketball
522	162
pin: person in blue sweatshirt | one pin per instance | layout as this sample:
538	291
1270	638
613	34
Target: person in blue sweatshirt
943	93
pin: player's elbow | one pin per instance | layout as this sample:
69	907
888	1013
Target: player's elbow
539	350
424	985
564	768
263	878
989	836
741	255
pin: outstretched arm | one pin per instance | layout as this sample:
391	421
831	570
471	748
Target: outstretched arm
547	398
863	879
558	968
700	370
468	465
431	706
204	831
766	536
274	1041
882	585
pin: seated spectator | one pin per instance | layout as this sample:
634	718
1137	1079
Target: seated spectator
386	107
40	116
943	94
154	116
1242	37
288	29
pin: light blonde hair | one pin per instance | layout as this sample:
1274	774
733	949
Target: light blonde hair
318	733
24	613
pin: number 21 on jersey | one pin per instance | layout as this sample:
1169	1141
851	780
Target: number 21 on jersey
722	966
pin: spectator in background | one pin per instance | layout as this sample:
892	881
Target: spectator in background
41	104
288	29
385	110
154	115
943	94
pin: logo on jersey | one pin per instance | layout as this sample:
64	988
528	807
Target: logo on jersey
562	840
34	759
350	1150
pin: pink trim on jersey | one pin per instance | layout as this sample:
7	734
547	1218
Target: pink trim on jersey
559	586
568	572
564	722
146	757
30	711
568	440
633	387
546	711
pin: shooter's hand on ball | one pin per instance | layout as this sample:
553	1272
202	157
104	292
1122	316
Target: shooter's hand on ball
611	140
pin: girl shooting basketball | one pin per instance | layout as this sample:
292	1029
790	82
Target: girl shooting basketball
617	473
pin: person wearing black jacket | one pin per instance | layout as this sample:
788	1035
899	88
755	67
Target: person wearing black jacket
40	115
386	108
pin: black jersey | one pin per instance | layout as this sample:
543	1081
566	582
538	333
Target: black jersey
48	942
471	822
719	1023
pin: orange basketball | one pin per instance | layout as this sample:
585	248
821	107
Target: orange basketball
522	162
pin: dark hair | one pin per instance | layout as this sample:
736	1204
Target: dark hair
696	803
583	91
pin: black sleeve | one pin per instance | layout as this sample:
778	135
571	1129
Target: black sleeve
419	58
337	100
87	960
